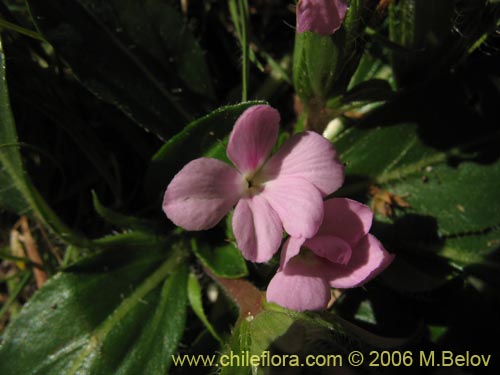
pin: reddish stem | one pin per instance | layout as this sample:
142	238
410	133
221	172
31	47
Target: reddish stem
244	294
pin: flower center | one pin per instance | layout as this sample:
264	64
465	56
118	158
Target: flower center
254	183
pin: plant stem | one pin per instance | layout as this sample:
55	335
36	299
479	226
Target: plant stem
245	70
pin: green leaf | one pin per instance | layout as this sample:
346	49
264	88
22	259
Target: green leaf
198	138
139	56
267	327
259	334
195	300
17	193
122	311
324	65
240	343
316	64
224	261
293	336
449	205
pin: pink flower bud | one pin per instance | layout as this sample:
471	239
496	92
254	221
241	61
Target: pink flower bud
323	17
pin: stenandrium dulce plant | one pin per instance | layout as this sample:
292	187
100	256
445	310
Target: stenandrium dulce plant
108	107
286	191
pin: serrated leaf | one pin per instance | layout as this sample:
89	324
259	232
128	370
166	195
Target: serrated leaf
117	312
224	261
139	56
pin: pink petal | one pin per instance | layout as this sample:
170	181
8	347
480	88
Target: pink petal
309	156
201	194
346	219
320	16
253	137
257	229
298	292
334	249
290	249
368	259
298	204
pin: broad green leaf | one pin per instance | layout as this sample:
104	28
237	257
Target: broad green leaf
196	140
16	190
240	343
224	261
449	205
267	327
253	337
139	56
195	300
474	247
122	311
291	336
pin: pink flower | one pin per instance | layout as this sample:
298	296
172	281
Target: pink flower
341	255
323	17
285	191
